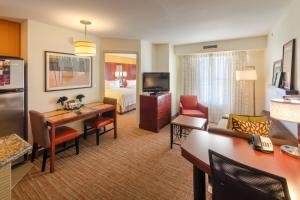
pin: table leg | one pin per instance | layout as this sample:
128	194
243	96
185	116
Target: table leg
52	148
199	184
115	124
171	135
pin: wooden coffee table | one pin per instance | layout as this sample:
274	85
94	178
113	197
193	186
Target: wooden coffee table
182	125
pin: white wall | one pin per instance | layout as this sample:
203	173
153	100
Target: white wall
251	43
43	37
286	29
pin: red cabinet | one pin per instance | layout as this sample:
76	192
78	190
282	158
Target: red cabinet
155	111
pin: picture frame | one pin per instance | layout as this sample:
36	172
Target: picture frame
278	79
64	71
277	67
288	62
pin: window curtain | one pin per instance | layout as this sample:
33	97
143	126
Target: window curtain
211	77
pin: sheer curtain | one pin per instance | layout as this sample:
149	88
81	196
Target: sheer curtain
211	77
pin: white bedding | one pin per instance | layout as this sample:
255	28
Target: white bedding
126	97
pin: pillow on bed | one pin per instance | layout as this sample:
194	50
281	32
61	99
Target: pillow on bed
112	84
131	83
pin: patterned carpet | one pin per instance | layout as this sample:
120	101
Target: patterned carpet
136	165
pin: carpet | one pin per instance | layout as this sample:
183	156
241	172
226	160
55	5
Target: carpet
137	165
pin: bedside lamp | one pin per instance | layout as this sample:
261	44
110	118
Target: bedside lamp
287	110
248	75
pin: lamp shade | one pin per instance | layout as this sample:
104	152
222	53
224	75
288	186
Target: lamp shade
286	110
124	74
85	48
246	75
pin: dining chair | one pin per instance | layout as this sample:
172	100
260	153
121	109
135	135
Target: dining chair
233	180
41	137
101	121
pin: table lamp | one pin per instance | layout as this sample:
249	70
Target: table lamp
287	110
248	75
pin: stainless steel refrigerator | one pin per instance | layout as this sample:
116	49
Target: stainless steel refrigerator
12	97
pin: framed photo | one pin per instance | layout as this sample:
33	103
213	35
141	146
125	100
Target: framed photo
65	71
278	79
288	62
277	67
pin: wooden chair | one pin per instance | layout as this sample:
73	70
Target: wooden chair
40	133
101	121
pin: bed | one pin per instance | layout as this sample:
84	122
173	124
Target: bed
126	96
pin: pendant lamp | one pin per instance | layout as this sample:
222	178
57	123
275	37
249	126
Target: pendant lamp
84	47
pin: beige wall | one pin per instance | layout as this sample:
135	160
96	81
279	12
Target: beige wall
43	37
286	29
251	43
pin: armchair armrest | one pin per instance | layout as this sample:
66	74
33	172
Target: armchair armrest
180	108
203	109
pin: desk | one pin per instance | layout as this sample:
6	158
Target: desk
61	117
195	149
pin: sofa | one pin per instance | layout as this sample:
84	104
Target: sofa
279	134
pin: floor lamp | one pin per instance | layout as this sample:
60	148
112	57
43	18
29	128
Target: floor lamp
248	75
287	110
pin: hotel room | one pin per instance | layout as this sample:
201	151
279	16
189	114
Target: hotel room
150	100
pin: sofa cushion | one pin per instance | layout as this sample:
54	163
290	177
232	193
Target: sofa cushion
251	127
245	118
193	113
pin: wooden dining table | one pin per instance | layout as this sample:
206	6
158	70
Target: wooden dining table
60	117
195	150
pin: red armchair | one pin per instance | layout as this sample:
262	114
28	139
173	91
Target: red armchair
190	106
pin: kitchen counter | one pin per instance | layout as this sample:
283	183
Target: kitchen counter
11	148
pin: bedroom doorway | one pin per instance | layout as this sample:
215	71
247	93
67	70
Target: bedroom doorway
120	79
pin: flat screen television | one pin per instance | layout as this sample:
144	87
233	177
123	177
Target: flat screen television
155	82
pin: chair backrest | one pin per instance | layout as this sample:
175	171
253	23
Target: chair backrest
111	101
39	129
233	180
189	101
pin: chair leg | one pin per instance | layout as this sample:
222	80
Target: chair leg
97	136
34	150
77	145
44	159
85	132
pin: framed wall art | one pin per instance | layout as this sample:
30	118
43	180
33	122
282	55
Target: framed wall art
65	71
277	67
288	62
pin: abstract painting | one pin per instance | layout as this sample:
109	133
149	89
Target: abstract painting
67	71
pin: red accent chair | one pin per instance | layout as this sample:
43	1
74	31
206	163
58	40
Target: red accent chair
190	106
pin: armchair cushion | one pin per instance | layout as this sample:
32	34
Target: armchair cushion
193	113
189	102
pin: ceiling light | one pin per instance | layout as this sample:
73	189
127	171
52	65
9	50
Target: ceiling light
84	47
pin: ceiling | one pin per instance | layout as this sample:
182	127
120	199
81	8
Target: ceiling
159	21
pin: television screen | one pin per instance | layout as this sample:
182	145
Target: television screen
156	82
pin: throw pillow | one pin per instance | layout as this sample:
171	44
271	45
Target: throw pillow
245	118
250	127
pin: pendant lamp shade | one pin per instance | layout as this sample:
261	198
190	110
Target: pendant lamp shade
84	47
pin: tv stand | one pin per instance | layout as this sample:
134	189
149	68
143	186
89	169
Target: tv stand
155	111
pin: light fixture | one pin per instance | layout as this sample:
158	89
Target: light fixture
124	74
84	47
287	110
117	74
248	75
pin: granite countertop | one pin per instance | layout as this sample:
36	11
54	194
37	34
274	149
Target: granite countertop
11	148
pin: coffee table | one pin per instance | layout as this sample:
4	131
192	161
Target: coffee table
182	125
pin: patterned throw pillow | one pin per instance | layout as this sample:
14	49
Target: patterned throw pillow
250	127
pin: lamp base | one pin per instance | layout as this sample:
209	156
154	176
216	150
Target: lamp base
291	151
